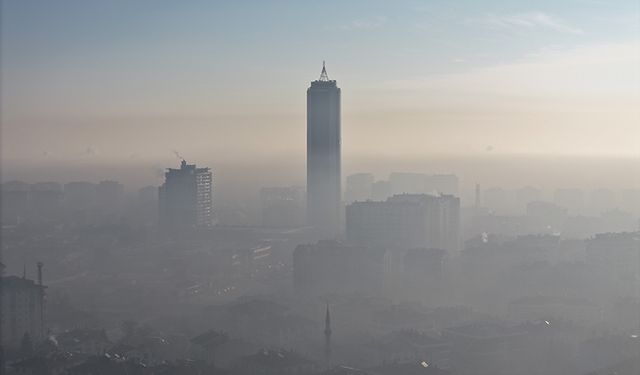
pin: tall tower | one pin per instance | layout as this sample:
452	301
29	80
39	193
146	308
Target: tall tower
323	156
327	335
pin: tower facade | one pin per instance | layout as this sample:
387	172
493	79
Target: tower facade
324	156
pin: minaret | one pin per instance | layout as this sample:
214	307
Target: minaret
327	335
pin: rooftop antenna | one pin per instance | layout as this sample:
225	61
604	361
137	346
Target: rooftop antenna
324	77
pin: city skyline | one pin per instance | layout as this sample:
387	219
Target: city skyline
456	191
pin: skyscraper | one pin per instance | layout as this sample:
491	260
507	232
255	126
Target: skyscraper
185	197
323	156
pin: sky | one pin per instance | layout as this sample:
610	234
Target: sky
90	82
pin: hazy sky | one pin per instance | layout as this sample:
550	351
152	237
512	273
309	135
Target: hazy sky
103	81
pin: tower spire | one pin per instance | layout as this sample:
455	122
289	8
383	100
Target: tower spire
324	77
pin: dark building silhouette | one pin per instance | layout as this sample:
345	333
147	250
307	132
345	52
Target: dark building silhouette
185	198
323	156
23	309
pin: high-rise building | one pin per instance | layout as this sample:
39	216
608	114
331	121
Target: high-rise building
185	198
406	221
23	308
323	156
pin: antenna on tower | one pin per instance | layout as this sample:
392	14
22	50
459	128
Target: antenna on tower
324	77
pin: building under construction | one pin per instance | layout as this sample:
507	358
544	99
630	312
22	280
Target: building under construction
185	198
23	309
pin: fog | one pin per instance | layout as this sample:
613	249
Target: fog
188	188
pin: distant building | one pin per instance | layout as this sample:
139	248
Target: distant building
23	309
380	190
146	205
282	206
324	203
425	262
422	274
407	183
526	195
546	217
359	187
185	198
79	196
601	201
39	201
148	194
45	200
617	257
15	202
443	184
406	221
496	199
332	267
630	201
109	196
